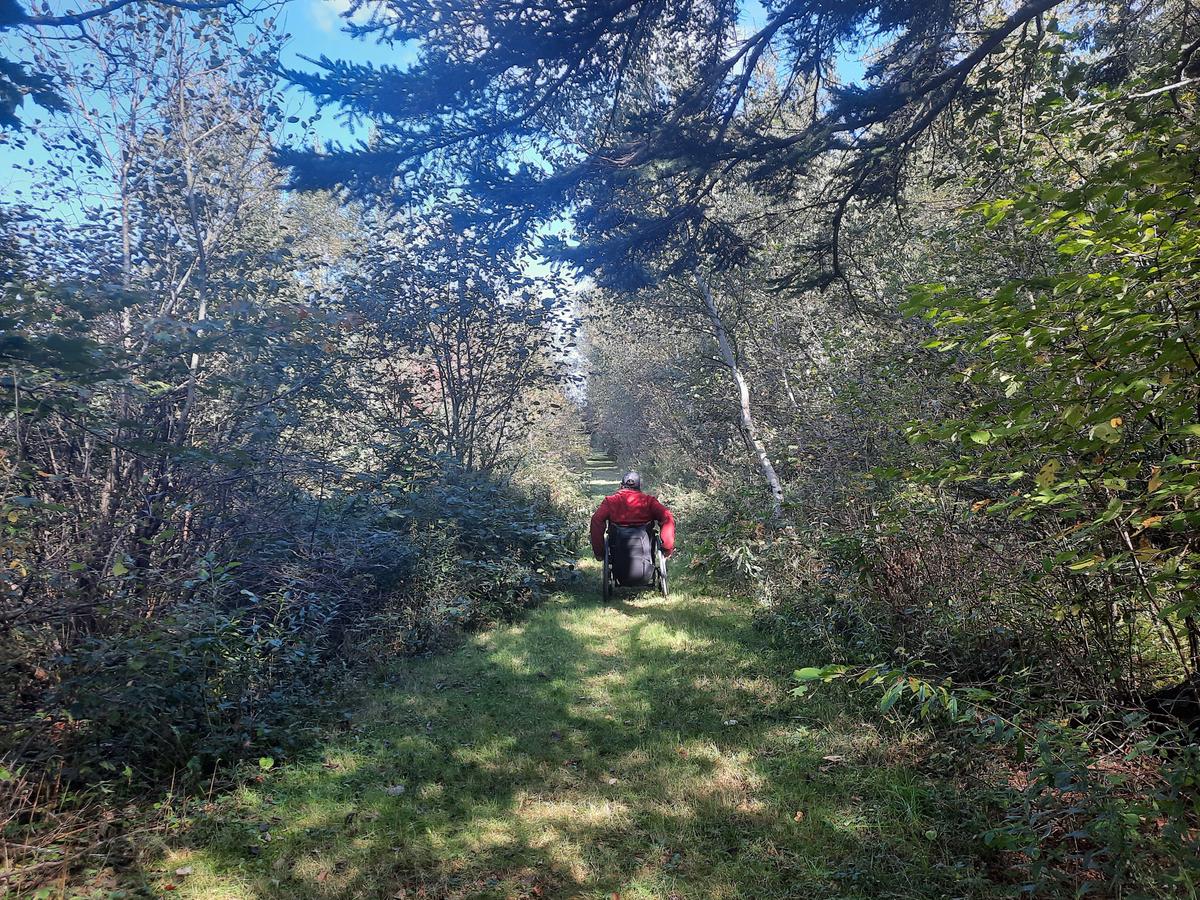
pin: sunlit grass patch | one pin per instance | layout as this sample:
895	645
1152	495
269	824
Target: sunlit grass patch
645	749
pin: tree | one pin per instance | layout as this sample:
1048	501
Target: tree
468	337
1082	364
541	109
18	81
639	116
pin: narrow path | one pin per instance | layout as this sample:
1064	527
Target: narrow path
603	476
646	750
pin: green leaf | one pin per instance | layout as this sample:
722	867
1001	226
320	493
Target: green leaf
1111	511
265	762
119	568
892	695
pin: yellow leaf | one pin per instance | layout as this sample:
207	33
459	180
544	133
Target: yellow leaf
14	516
1151	521
1116	421
1047	474
1155	480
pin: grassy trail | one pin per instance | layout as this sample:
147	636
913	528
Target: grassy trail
650	749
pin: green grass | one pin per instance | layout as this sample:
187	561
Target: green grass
650	749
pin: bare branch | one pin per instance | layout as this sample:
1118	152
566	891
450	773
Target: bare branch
110	7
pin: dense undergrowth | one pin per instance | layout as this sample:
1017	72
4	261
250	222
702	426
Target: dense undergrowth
253	654
1069	790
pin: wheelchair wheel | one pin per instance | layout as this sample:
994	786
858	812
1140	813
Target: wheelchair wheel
606	588
661	563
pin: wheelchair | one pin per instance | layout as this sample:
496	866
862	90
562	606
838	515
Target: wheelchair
634	560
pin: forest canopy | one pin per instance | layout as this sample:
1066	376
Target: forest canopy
656	106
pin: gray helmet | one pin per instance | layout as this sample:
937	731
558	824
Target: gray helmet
632	480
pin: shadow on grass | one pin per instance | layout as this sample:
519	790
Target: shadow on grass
645	749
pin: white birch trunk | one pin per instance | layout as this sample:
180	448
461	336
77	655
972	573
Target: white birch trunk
745	413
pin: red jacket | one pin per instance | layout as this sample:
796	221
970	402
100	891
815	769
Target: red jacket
630	507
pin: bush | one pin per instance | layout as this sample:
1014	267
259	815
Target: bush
482	554
237	657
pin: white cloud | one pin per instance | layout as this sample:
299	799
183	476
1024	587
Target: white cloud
330	15
324	13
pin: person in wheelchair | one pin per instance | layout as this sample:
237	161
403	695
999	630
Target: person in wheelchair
627	519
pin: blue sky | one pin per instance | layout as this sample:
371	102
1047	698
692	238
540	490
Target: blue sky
316	29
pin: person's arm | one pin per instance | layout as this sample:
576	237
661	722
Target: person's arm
599	522
666	526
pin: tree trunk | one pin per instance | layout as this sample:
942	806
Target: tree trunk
745	414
